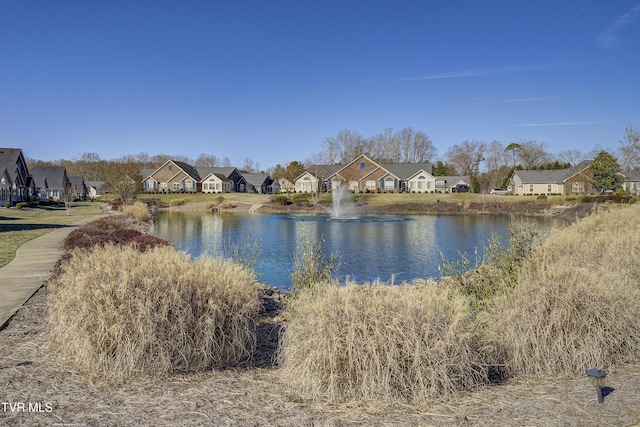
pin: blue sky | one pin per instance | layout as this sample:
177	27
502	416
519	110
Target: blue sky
269	80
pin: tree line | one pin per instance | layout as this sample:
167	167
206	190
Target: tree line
488	164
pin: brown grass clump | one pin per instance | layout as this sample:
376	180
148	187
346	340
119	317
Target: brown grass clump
176	202
577	303
138	210
228	204
380	343
116	313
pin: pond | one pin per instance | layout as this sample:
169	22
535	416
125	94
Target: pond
389	248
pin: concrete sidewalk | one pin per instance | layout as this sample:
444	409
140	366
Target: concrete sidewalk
30	268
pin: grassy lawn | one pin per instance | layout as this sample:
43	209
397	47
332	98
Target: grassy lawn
18	226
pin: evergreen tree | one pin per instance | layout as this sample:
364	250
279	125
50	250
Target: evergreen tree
606	172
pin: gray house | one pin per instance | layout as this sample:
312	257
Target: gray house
16	184
50	182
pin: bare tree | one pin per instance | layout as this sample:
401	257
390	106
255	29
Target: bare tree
226	162
423	149
331	150
122	177
466	157
319	158
250	165
571	156
630	149
350	145
206	161
496	161
533	154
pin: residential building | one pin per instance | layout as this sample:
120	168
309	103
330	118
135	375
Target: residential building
50	182
16	184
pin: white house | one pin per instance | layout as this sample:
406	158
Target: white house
421	182
216	183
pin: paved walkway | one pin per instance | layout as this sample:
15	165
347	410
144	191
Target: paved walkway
30	268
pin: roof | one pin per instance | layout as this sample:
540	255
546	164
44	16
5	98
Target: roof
256	179
322	172
405	171
188	169
542	176
630	175
53	175
452	179
146	173
77	182
9	158
223	172
574	170
205	173
552	175
94	184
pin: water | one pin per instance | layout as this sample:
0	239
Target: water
389	248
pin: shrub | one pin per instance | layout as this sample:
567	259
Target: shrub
282	200
7	205
123	235
176	202
146	242
131	315
22	205
380	343
483	278
227	205
577	302
312	265
86	238
542	197
138	210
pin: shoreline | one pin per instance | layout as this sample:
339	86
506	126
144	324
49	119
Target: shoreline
568	212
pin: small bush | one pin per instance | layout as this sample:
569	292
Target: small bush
86	238
22	205
176	202
227	205
378	343
150	314
146	242
138	210
123	235
281	200
312	265
542	197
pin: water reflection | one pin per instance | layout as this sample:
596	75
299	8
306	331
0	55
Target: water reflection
384	247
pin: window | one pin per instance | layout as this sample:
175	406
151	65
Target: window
577	187
389	184
530	188
362	165
176	186
170	168
371	185
549	188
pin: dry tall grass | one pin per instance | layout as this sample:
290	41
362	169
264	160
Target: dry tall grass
118	313
577	302
138	210
380	343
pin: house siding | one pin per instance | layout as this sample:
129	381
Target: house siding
583	180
